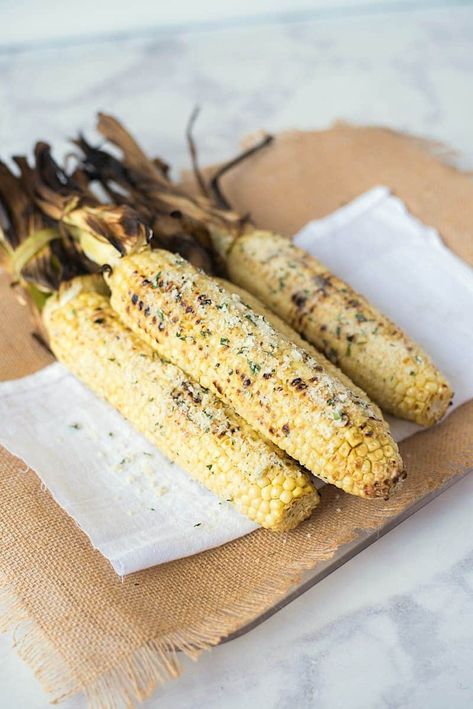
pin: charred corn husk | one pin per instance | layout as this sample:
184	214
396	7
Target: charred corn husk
393	370
186	422
286	330
275	386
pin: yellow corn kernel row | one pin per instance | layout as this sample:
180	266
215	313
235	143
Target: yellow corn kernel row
393	370
280	390
286	330
186	422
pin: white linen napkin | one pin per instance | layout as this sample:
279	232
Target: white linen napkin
137	508
402	266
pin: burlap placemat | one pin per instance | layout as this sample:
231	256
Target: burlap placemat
78	625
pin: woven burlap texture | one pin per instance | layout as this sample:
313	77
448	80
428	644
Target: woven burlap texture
80	627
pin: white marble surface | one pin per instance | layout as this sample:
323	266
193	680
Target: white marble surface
26	22
394	627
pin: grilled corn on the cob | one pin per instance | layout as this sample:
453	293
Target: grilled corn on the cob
271	383
184	420
394	371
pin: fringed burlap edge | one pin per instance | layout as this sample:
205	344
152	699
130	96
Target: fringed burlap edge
33	646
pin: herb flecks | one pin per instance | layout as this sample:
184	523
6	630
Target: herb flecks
155	281
254	367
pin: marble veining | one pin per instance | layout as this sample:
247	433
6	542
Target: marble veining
410	71
393	628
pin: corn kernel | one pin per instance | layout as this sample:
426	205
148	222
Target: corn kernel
344	449
266	493
353	437
376	455
362	450
371	443
289	484
286	497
